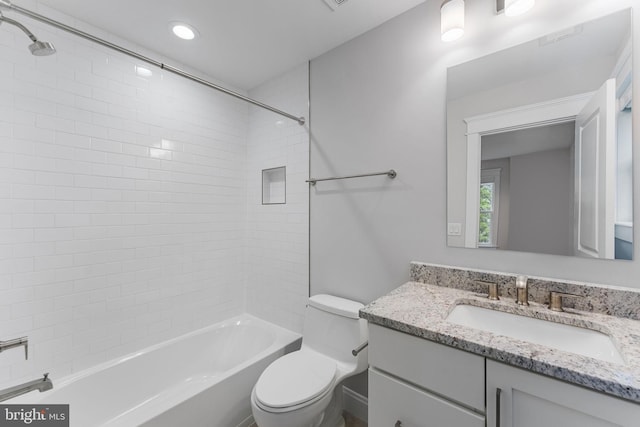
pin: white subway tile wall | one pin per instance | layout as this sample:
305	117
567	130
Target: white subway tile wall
123	204
277	262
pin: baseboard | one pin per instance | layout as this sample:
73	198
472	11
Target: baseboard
247	422
356	404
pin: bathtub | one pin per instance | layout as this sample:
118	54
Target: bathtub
203	378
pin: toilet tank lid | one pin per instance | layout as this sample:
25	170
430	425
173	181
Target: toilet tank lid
336	305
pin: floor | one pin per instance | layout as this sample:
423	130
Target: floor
353	421
350	419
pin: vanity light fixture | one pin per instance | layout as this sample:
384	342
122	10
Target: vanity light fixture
452	20
183	31
514	7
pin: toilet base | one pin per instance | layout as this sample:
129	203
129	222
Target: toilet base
333	414
312	416
341	423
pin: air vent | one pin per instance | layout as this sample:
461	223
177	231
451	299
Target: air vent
334	4
560	35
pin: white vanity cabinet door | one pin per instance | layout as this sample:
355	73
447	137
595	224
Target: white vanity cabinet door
531	400
393	403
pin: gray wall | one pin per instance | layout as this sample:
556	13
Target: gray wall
541	202
378	102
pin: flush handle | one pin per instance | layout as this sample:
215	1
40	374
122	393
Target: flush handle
358	349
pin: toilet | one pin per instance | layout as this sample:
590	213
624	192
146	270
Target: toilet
304	388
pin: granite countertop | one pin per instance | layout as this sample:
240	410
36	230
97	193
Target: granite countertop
420	309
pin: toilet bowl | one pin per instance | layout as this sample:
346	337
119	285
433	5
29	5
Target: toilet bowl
304	388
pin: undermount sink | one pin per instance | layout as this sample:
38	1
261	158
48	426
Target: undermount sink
563	337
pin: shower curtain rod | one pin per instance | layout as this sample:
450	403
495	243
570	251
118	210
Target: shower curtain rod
174	70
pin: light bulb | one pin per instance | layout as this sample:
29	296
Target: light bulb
184	31
517	7
452	20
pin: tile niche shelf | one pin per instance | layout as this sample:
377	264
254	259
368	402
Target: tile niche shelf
274	186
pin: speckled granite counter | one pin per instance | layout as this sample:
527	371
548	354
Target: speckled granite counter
420	309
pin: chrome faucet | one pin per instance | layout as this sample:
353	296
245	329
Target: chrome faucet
16	342
42	384
522	290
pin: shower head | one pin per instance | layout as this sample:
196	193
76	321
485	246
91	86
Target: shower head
37	48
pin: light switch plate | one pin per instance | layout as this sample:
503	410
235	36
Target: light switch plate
454	229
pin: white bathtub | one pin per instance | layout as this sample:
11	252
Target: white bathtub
200	379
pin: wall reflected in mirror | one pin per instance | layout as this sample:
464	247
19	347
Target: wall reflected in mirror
539	145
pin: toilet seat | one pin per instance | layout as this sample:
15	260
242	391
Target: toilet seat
294	380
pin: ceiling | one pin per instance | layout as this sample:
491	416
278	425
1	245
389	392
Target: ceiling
582	45
242	42
526	141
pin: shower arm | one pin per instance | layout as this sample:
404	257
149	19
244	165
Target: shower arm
7	4
19	25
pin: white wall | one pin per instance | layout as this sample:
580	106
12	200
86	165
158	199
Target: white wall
122	204
378	102
130	207
277	261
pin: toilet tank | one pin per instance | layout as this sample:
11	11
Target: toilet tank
332	327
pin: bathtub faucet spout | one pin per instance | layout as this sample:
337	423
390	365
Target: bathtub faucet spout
42	384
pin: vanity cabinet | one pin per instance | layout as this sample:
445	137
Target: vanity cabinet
416	383
519	398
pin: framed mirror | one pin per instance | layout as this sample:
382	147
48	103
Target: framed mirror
539	144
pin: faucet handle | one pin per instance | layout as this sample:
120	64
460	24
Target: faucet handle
555	300
492	289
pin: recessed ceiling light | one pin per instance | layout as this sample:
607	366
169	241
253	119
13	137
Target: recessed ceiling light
184	31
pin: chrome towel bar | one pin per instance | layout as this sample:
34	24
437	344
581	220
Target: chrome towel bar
16	342
390	173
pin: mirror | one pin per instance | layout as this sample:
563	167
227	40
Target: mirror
539	145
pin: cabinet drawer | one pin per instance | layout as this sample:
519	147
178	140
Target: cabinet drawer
391	401
452	373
